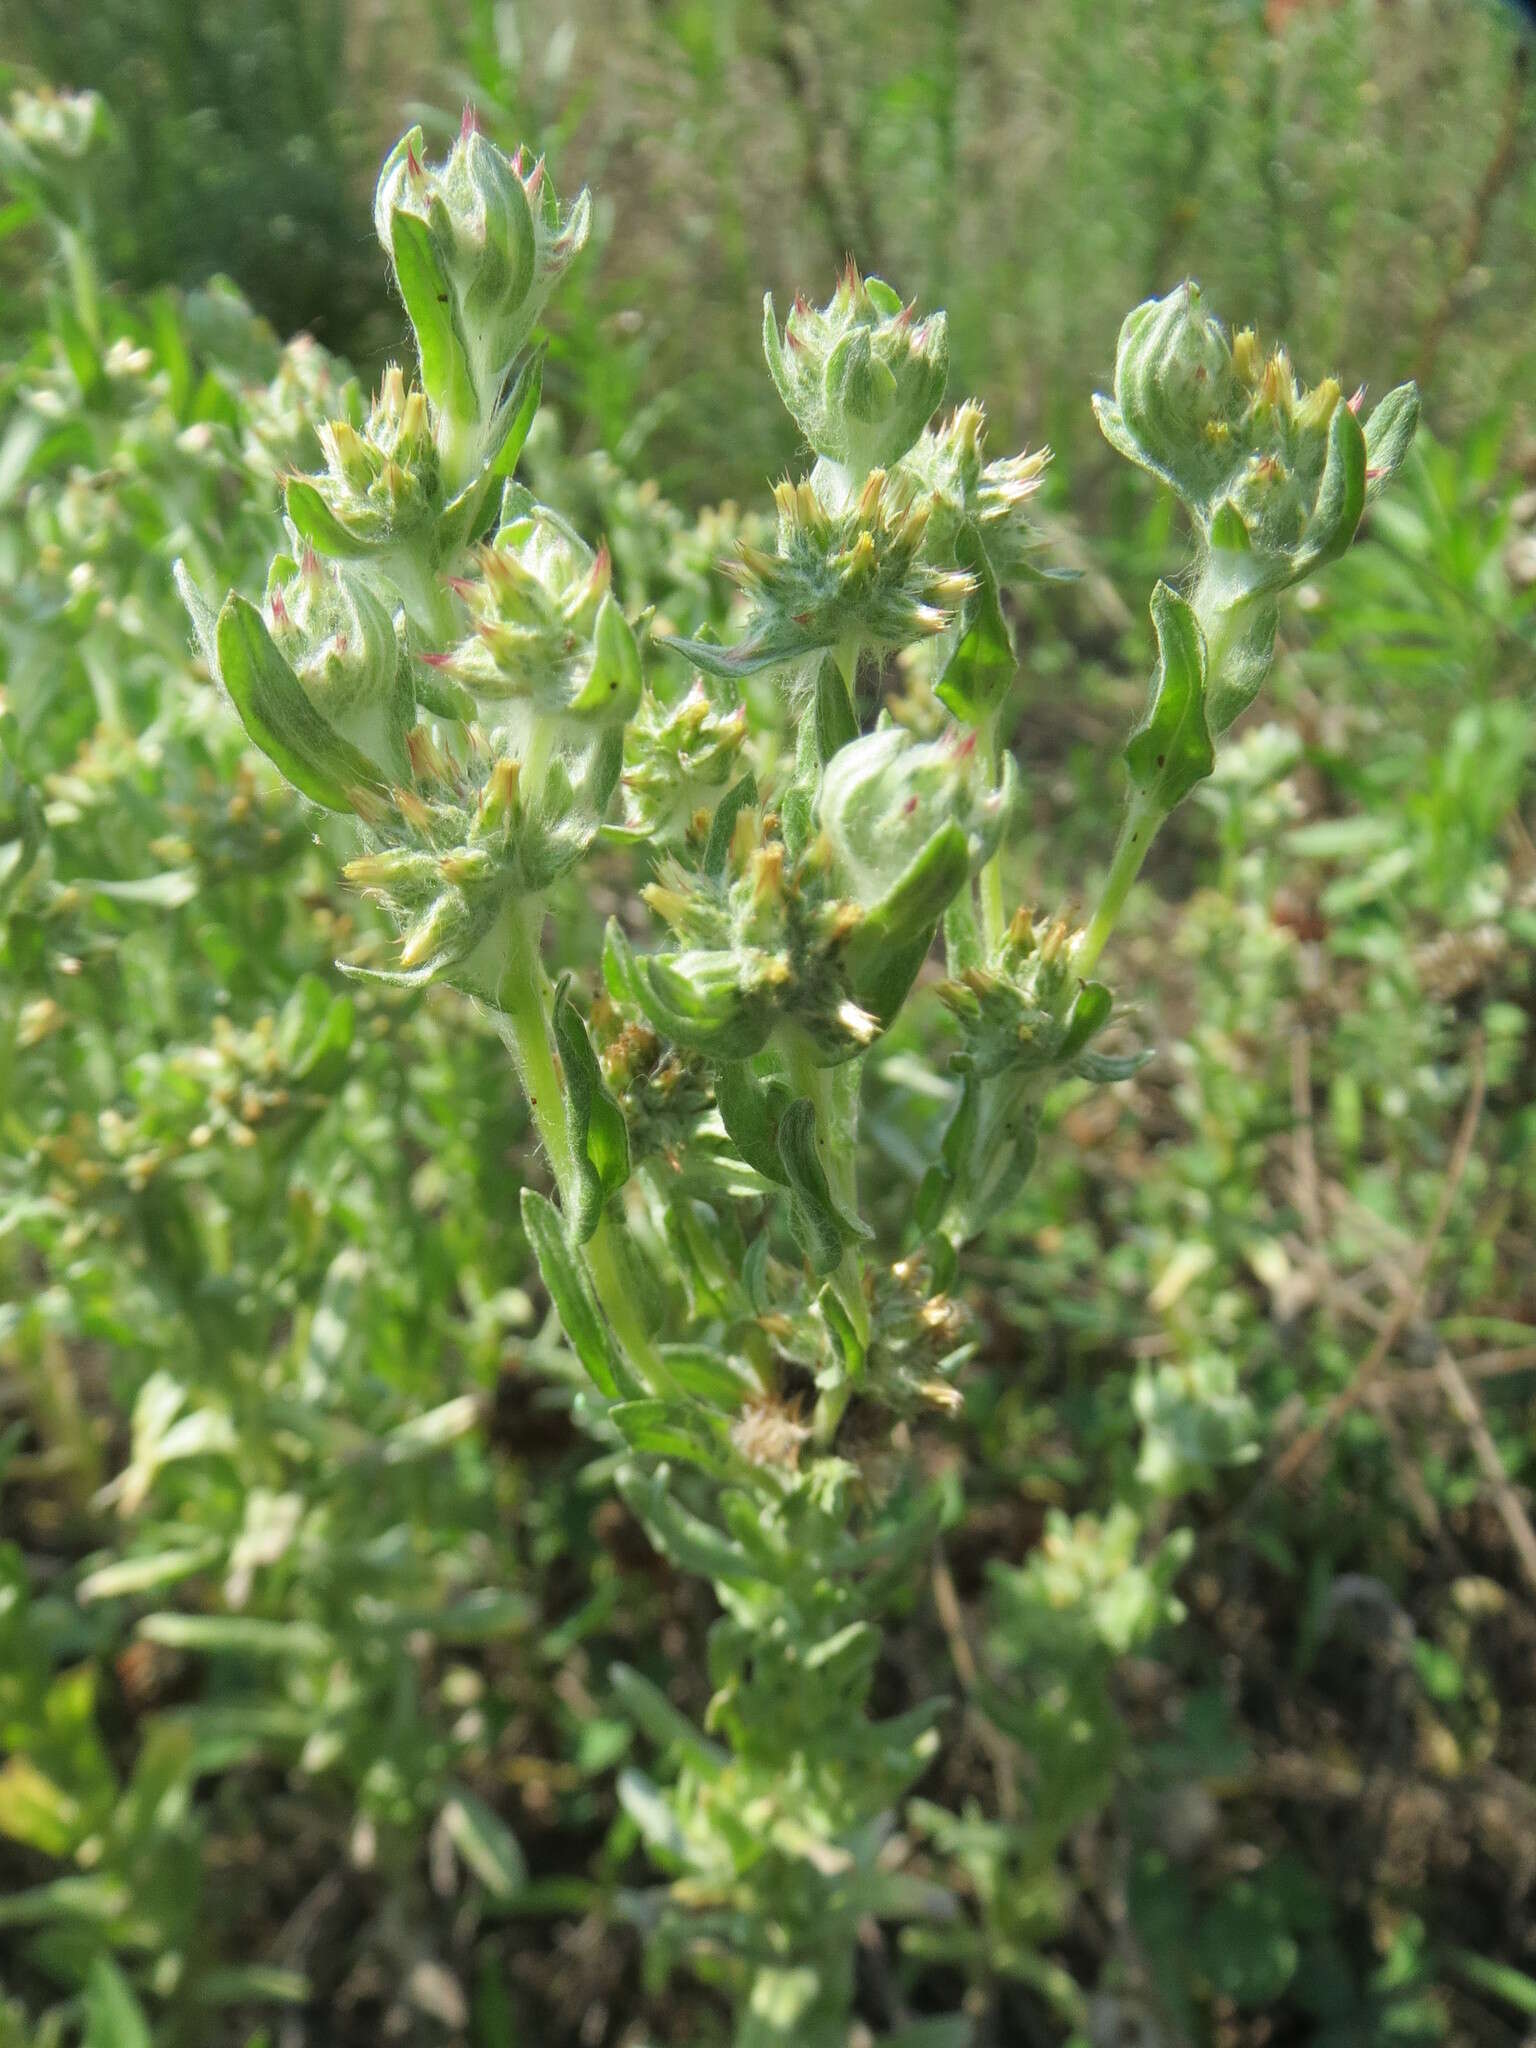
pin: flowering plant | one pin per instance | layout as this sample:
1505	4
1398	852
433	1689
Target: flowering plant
446	660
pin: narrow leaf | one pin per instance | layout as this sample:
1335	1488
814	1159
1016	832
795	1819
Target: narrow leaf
579	1315
444	361
280	718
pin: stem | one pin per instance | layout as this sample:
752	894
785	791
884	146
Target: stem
834	1093
536	757
81	267
524	1001
994	917
1136	835
458	449
617	1298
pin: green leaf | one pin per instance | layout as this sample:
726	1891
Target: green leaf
1389	434
718	1378
36	1811
653	1712
682	1538
318	524
600	1136
836	722
95	1898
1119	436
888	946
445	373
649	1811
572	1296
1089	1014
739	797
237	1635
846	1337
751	1109
1170	751
771	646
1340	497
696	999
280	718
668	1429
113	2016
486	1845
976	657
822	1227
612	690
517	413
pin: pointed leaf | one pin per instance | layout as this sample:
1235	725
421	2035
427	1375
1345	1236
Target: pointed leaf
599	1134
486	1845
444	361
751	1110
1340	497
318	524
888	946
717	847
113	2016
279	717
572	1296
822	1227
1170	751
517	413
652	1711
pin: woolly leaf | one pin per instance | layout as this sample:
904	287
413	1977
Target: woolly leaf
599	1134
1170	751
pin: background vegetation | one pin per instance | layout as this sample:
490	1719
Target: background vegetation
311	1581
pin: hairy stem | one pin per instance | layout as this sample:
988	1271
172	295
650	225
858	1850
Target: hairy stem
994	917
1136	835
524	1012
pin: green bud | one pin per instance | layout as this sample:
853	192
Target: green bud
1274	476
679	760
478	243
1269	470
852	571
547	631
883	797
859	375
341	644
381	490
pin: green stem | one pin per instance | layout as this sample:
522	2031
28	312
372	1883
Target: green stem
536	759
524	1009
525	1001
81	267
994	915
1136	835
618	1304
834	1093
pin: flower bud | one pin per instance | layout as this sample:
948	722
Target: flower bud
860	376
1275	476
381	488
547	631
857	573
47	142
341	644
883	798
477	244
679	760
